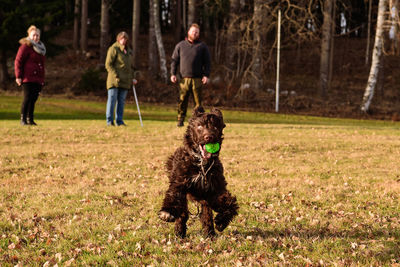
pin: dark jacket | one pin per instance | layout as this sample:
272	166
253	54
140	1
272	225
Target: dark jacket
28	64
193	59
119	67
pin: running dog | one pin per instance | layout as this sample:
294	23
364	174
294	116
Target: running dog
196	173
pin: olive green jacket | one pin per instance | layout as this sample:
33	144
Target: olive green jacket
119	67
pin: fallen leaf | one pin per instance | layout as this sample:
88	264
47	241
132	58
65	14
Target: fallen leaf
69	262
281	256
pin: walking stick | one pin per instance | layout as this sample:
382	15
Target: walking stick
137	105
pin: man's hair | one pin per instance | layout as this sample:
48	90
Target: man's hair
32	28
122	35
194	25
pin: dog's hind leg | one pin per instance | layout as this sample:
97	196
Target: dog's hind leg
226	206
206	219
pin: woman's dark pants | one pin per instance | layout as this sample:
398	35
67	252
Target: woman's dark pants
31	94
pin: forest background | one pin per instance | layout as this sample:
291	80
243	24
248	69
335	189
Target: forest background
326	51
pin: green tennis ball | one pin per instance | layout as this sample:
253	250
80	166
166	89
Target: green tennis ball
212	148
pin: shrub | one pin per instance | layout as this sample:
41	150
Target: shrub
91	81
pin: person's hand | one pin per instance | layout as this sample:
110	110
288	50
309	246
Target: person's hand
18	81
205	80
134	81
173	78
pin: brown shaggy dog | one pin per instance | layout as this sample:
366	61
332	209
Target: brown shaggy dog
195	173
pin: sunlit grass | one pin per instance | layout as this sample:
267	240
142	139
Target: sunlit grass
311	190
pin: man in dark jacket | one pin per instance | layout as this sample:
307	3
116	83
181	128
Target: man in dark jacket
193	58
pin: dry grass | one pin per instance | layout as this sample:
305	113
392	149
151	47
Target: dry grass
73	192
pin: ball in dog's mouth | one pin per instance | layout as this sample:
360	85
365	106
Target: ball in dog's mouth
208	149
212	148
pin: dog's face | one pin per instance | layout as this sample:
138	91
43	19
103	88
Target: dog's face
204	128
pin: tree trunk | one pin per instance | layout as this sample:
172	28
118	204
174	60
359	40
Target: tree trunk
376	57
68	9
4	76
177	22
135	32
206	32
192	14
393	32
160	45
104	30
333	28
232	34
253	75
184	16
153	62
75	42
84	19
368	33
326	48
257	68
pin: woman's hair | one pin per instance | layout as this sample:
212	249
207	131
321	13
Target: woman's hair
32	28
122	35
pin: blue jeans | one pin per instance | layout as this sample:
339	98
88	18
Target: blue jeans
116	101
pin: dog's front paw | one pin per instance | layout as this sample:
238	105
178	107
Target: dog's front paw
221	227
221	223
166	216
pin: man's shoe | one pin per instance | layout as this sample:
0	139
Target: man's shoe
180	123
122	124
110	124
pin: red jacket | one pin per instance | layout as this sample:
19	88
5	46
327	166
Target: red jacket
28	64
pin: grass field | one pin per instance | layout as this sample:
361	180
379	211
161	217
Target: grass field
312	191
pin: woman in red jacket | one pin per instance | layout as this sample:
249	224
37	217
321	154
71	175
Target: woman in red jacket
29	72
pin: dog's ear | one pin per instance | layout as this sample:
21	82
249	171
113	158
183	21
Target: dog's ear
198	111
218	113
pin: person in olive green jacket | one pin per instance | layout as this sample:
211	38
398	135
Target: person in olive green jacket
119	78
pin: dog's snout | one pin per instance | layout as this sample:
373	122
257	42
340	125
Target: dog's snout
208	138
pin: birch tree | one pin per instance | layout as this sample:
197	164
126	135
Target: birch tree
376	58
135	31
152	48
160	46
394	21
326	48
104	30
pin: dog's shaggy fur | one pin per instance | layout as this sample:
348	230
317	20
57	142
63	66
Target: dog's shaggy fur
195	173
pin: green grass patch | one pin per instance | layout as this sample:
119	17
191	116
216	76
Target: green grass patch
311	190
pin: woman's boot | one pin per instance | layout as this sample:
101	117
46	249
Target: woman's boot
23	120
30	120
